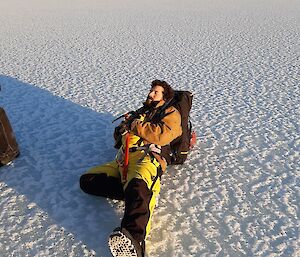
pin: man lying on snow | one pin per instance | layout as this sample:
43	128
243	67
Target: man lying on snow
134	176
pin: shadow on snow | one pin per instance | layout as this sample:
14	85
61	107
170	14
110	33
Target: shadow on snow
59	140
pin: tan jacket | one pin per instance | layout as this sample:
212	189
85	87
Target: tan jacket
161	133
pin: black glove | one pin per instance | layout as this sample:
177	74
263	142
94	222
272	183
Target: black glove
118	133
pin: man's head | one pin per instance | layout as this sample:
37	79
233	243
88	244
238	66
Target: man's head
160	91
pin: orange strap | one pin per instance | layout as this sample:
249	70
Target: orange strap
126	157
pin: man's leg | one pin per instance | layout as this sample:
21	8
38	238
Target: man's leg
141	193
103	181
140	198
139	205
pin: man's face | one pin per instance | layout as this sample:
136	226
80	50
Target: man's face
156	94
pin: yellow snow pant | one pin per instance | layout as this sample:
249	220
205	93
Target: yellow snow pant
140	191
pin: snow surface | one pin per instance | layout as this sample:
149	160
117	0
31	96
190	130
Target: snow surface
68	68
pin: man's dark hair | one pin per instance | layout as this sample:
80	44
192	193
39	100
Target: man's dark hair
168	90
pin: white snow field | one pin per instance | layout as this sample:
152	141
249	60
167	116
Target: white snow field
68	68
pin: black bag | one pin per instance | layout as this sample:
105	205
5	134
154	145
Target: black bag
9	149
177	151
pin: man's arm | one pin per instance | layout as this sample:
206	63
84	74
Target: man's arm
161	133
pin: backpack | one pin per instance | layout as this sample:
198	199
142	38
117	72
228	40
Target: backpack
176	152
9	149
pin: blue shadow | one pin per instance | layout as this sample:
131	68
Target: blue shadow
59	140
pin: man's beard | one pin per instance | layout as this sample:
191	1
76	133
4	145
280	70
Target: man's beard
150	103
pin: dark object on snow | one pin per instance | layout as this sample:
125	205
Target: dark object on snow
9	149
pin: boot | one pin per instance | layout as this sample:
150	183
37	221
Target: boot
122	244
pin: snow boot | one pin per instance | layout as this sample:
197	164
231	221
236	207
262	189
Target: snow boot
122	244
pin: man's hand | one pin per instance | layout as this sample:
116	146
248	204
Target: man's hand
123	128
134	123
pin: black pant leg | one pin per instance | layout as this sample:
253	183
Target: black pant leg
137	212
102	185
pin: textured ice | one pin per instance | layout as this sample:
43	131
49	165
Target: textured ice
68	68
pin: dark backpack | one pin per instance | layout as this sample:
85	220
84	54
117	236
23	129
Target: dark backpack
8	146
176	152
